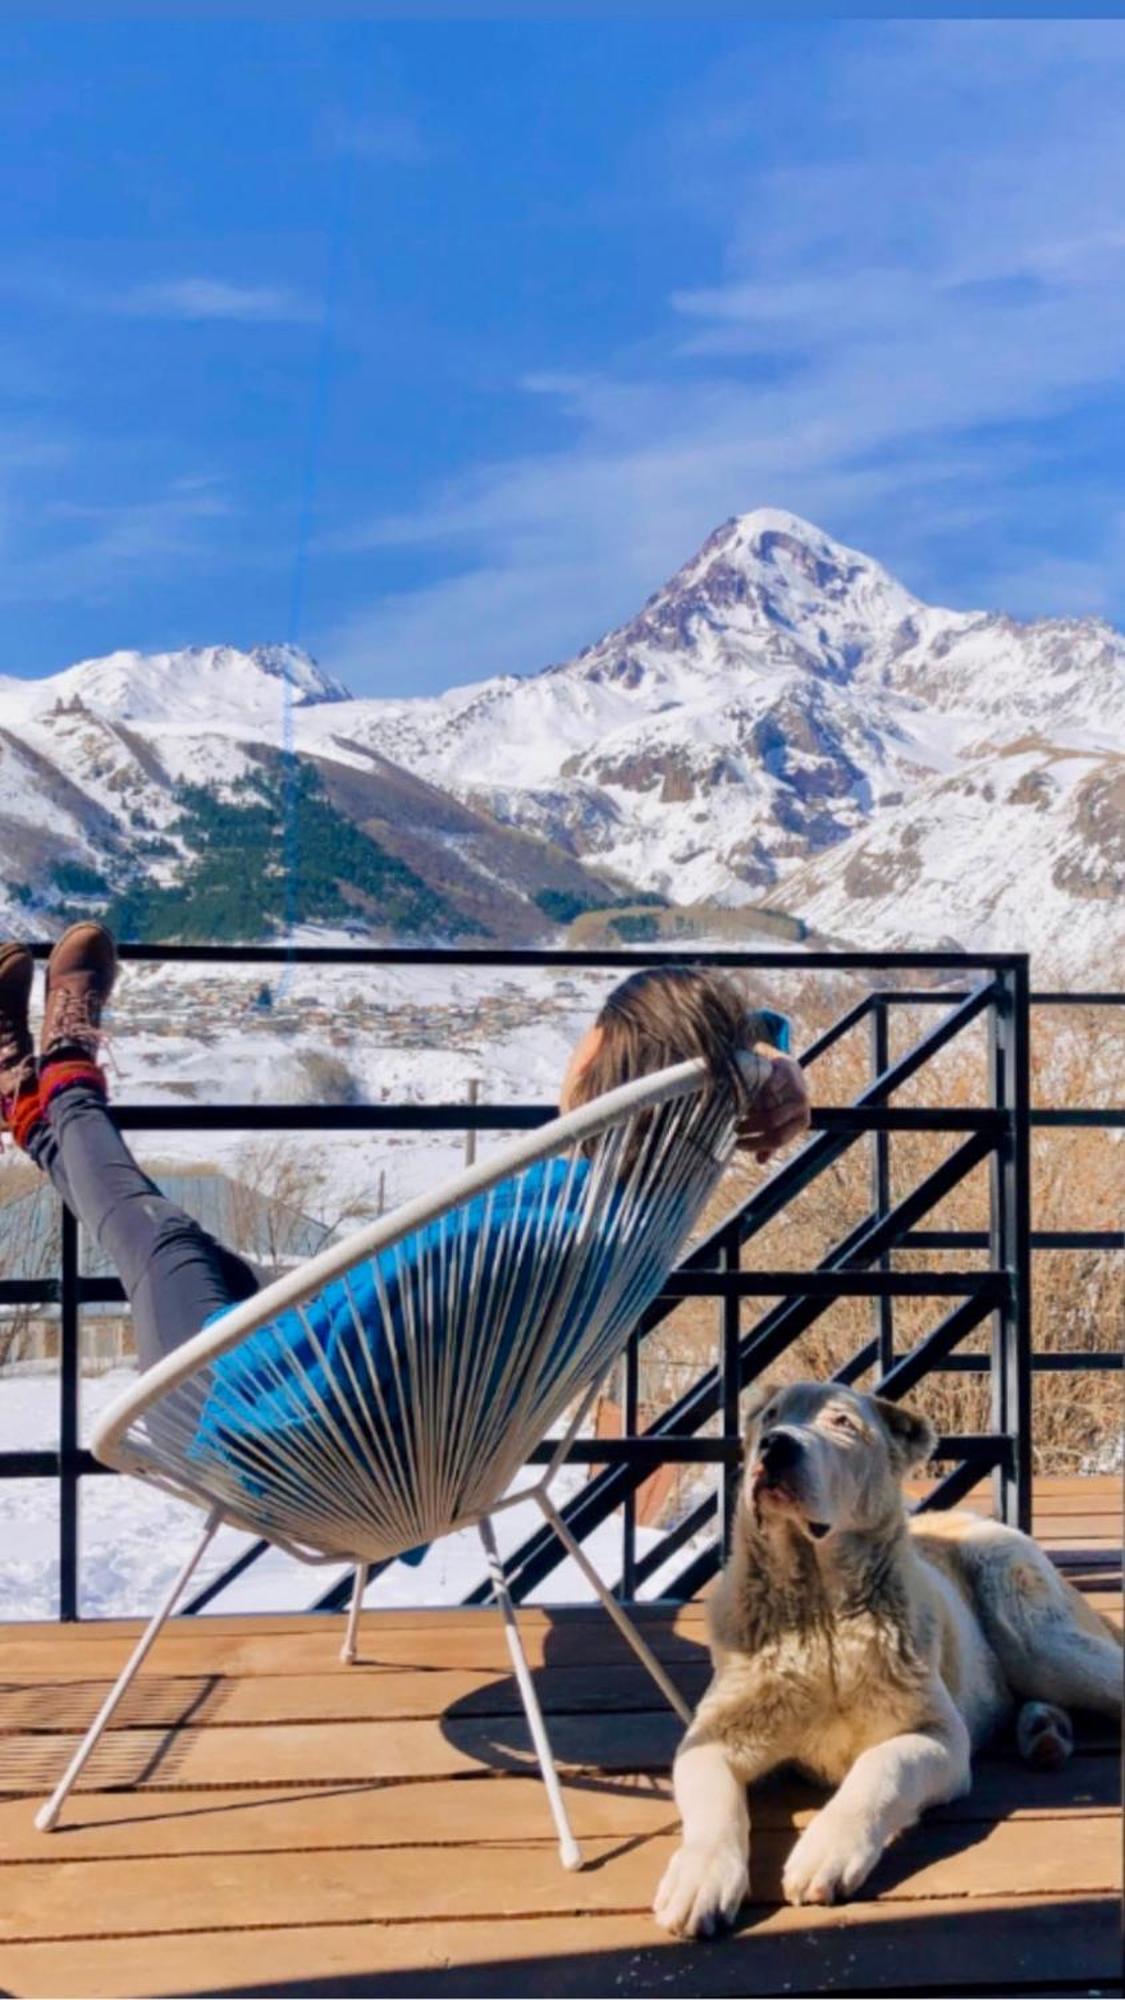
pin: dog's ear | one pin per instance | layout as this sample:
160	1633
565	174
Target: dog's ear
912	1436
756	1401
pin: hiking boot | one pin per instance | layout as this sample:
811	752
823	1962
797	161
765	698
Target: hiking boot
80	975
17	1050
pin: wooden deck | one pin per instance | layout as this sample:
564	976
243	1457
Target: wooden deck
302	1828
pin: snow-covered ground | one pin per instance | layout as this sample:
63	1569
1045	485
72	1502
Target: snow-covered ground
412	1034
133	1540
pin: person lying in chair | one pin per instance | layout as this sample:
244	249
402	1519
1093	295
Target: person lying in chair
178	1278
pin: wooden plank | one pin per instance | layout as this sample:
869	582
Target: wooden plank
477	1810
1045	1484
161	1702
214	1701
1065	1528
336	1753
313	1645
340	1752
1076	1482
861	1948
1060	1506
148	1897
316	1649
449	1812
306	1643
1100	1490
1077	1540
296	1624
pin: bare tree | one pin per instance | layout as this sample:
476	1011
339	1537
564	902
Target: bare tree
278	1189
32	1255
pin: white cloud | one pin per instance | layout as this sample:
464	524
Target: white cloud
921	275
94	545
202	298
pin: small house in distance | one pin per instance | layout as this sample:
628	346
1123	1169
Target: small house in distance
269	1232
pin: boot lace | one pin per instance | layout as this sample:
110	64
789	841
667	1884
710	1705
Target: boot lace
77	1015
78	1019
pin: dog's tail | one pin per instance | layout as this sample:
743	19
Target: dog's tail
1044	1735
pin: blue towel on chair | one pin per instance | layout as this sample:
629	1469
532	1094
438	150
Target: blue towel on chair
305	1379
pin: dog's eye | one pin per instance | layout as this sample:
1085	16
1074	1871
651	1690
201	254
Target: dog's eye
841	1421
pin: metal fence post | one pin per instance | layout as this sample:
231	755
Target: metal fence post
1010	1239
882	1309
1019	1351
630	1418
69	1378
730	1262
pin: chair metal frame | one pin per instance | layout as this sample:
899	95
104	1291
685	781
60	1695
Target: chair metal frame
119	1439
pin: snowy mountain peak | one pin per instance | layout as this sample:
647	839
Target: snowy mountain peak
767	591
308	681
798	574
216	684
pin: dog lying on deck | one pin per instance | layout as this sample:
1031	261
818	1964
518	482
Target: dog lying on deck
873	1652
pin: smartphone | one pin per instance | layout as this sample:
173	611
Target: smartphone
767	1025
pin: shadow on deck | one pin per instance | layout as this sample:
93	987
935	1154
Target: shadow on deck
302	1828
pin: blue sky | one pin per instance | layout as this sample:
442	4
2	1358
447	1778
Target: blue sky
436	347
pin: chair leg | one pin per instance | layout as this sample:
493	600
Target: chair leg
47	1815
569	1851
351	1636
623	1623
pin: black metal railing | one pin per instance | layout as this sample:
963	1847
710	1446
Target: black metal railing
702	1426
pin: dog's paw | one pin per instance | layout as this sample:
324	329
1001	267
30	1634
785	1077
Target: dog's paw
831	1860
702	1890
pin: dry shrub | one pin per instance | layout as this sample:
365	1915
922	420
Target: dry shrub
28	1255
279	1185
1077	1297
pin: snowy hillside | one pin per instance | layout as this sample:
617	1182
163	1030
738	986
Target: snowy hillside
782	723
198	687
157	786
1024	847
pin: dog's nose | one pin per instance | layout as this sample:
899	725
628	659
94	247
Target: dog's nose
779	1451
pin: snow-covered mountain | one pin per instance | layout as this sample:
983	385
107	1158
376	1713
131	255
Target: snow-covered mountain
782	720
782	723
196	687
1021	848
158	785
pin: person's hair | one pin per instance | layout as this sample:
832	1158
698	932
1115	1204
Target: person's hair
663	1015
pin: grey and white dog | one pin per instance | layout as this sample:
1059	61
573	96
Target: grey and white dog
871	1651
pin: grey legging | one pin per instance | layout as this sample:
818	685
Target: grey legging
175	1274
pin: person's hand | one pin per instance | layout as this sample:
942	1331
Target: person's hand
780	1111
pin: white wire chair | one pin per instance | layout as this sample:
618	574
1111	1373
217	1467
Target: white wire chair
504	1298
